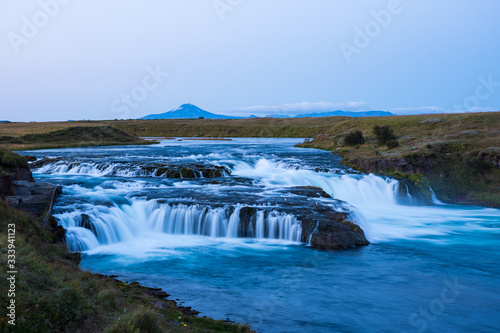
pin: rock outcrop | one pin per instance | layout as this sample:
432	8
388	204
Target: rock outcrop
19	189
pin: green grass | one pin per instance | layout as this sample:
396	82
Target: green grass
54	295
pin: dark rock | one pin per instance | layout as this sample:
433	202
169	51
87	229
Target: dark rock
86	222
187	173
160	294
60	234
329	230
310	191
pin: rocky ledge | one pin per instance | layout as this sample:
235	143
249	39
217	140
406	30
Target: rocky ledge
171	170
326	222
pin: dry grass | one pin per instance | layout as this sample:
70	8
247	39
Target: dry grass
456	144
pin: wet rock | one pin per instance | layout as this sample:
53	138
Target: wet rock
310	191
330	230
86	222
40	163
187	173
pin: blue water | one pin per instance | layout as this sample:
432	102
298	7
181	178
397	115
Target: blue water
427	269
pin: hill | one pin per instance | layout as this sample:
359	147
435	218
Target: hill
71	137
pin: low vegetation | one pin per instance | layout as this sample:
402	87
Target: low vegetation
354	138
10	160
383	134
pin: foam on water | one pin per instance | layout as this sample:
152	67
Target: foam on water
125	223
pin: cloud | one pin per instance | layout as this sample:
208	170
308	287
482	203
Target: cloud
292	109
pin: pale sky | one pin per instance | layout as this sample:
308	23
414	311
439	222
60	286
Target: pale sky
77	59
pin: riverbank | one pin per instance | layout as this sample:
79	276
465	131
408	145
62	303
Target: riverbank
51	293
457	155
29	138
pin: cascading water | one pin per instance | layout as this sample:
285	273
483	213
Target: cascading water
108	225
107	169
358	190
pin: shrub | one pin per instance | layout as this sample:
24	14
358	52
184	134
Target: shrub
383	134
392	144
354	138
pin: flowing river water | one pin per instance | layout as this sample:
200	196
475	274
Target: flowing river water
431	268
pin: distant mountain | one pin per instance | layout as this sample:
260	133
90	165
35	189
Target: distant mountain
188	111
276	115
353	114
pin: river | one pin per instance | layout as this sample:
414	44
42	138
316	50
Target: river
429	268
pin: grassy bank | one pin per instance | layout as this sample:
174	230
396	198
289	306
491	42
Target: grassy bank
53	295
44	136
456	154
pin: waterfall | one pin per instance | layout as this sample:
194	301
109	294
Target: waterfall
358	190
434	199
105	169
107	225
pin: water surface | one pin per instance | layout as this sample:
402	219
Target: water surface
429	268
